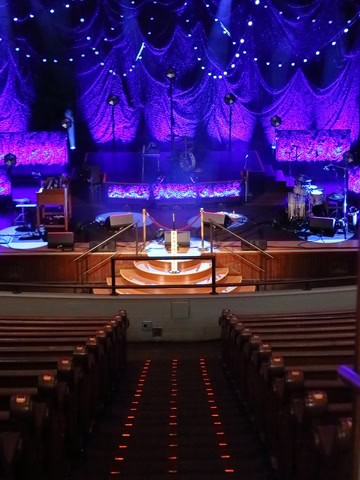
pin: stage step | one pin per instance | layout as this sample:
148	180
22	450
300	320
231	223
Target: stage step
134	276
183	291
186	273
157	273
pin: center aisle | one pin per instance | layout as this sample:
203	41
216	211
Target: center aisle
176	417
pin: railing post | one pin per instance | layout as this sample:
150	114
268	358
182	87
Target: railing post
136	240
113	281
202	228
211	237
213	275
144	226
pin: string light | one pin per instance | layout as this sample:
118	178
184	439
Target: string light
234	63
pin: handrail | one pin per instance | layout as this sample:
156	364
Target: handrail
102	262
245	260
85	254
255	247
257	283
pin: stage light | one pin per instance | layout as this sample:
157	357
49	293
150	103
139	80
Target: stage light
10	160
276	121
112	99
171	73
229	99
348	157
66	123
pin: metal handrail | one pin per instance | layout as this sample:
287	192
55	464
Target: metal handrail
104	242
99	264
257	283
255	247
245	260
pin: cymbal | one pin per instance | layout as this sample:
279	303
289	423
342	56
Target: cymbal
336	197
303	178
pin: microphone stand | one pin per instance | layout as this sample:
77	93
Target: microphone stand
345	190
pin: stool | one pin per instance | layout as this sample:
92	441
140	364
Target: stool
21	220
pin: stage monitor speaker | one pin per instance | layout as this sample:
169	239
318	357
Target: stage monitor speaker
61	240
261	243
183	239
107	247
114	222
322	225
220	218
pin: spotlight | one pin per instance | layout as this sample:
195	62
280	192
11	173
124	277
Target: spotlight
229	99
276	121
171	73
348	157
113	99
66	123
10	160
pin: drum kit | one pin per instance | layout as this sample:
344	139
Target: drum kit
305	200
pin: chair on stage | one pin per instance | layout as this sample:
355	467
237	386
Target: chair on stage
23	221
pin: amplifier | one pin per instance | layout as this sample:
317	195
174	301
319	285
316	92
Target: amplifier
61	240
261	243
322	225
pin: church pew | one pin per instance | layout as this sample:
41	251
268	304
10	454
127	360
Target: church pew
24	422
28	326
100	345
86	388
233	326
46	341
333	449
316	371
48	391
297	451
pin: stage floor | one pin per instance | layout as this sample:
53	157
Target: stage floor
260	213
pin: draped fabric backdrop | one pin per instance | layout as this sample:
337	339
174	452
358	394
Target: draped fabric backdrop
299	60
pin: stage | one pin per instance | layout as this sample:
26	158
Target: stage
287	214
285	260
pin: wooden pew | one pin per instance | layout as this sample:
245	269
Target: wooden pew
47	341
266	354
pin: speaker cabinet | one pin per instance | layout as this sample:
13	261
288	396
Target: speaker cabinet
107	247
114	222
220	218
261	243
61	240
183	239
322	225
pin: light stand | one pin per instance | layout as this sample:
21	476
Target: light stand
230	99
113	100
348	158
275	122
171	75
